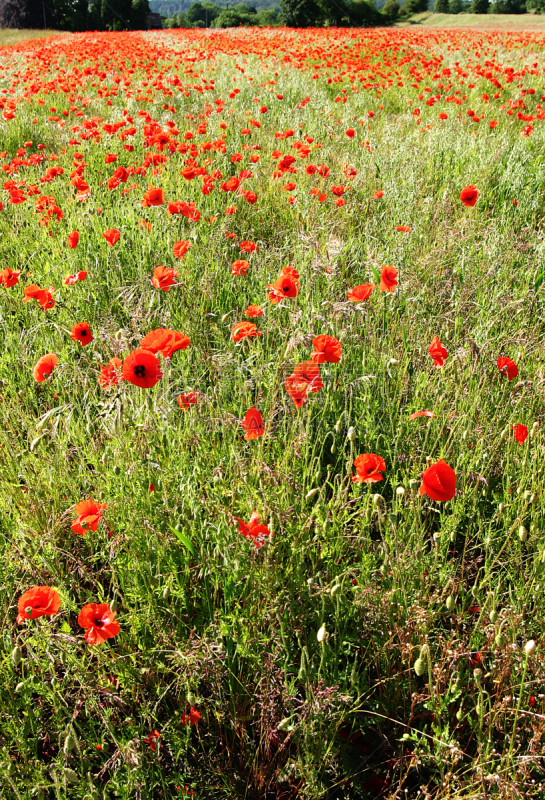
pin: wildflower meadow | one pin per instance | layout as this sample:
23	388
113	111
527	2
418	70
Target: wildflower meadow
272	385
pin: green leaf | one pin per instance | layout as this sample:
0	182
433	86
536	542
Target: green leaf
183	540
375	273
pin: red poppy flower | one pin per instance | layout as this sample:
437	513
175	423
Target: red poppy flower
253	424
165	341
231	185
153	740
34	292
181	248
153	197
240	267
89	514
186	400
112	236
360	293
326	349
304	378
254	530
41	600
368	468
378	194
81	332
45	366
192	717
163	278
98	619
142	368
521	433
507	367
248	247
469	195
437	352
254	311
73	239
403	228
110	374
245	330
439	482
286	286
9	277
388	279
423	414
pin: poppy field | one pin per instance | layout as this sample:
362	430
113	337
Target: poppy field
272	382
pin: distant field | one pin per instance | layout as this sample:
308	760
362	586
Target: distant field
16	35
504	22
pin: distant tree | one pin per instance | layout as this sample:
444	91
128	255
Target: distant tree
457	6
480	6
299	13
363	14
441	7
267	18
139	14
414	7
231	18
391	9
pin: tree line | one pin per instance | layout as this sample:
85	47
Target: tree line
82	15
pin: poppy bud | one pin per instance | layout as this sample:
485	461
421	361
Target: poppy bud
16	656
338	426
400	491
500	640
393	362
191	699
70	775
322	634
450	603
69	744
501	508
420	666
119	335
523	533
166	592
333	449
530	648
114	604
336	588
529	497
534	429
311	493
117	470
378	500
478	674
493	617
20	686
351	435
459	715
284	724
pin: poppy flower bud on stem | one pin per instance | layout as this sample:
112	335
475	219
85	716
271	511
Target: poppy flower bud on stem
378	500
493	616
530	648
322	634
16	656
523	533
351	435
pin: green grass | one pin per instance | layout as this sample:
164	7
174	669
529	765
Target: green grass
9	36
504	22
206	620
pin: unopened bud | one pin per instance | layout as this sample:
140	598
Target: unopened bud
351	434
16	656
478	674
69	744
378	499
500	640
70	775
339	425
114	604
394	362
420	666
400	491
450	603
166	592
523	533
311	493
501	508
493	617
322	634
530	647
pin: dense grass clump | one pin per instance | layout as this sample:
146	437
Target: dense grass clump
265	625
